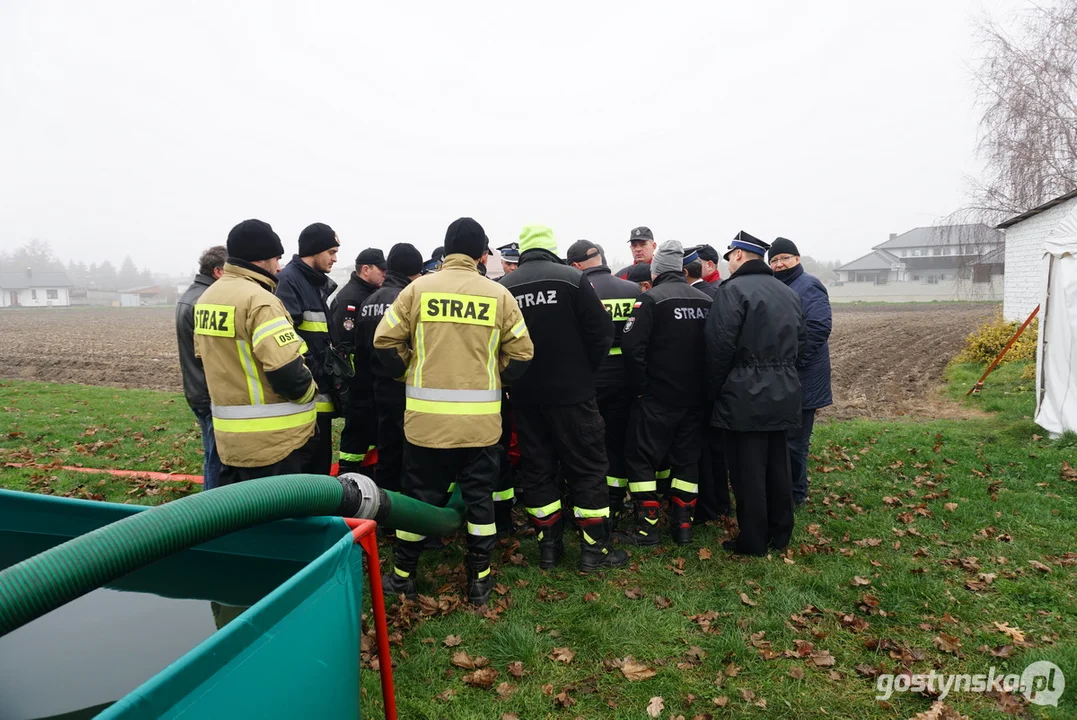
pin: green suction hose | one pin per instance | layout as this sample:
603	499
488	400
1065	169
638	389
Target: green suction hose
46	581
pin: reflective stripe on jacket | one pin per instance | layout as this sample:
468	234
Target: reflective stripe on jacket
243	334
455	331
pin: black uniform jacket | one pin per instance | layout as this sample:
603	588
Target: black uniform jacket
305	293
618	297
663	342
345	312
369	315
755	333
570	328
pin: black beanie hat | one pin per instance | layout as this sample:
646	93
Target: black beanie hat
253	241
466	236
782	246
317	238
405	260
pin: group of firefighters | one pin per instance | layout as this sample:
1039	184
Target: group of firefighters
659	381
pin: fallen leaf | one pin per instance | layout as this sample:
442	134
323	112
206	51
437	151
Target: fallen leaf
562	654
721	701
505	690
704	554
858	581
655	707
747	600
1068	472
951	506
1013	633
823	658
635	671
452	641
516	669
797	673
662	602
591	597
510	716
1039	566
462	660
482	678
939	710
445	694
947	643
562	698
634	593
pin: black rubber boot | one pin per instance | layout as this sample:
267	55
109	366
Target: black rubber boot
680	520
550	532
393	584
479	588
596	551
645	532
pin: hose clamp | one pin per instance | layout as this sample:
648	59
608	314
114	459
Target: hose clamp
367	494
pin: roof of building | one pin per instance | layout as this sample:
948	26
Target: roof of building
996	256
23	281
874	260
1037	210
943	235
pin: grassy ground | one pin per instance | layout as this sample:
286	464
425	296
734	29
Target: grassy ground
941	546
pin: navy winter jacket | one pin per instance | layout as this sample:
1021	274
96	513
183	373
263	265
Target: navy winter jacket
814	365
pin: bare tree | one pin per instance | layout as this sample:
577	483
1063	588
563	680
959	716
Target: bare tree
1027	87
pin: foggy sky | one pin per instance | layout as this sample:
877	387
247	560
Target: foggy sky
150	129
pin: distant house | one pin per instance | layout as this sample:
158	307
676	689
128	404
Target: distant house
32	288
930	255
135	297
1025	234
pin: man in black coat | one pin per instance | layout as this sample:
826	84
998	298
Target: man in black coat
664	358
210	267
554	405
304	286
755	333
614	395
405	263
360	416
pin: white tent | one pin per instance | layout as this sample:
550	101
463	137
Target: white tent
1056	356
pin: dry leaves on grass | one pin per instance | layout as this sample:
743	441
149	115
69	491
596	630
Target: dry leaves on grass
462	660
947	643
662	602
940	711
747	600
591	597
452	641
634	593
505	690
516	669
704	554
1039	566
562	655
1068	472
482	678
797	673
951	506
635	671
859	581
655	707
1015	634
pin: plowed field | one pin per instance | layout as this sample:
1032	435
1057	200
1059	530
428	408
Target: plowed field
887	360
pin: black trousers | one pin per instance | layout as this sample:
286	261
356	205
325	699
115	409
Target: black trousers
615	404
360	432
231	474
428	473
713	477
505	489
799	440
574	436
390	408
317	455
759	473
661	432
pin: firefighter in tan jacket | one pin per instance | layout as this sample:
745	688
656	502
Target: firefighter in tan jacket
261	394
455	337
